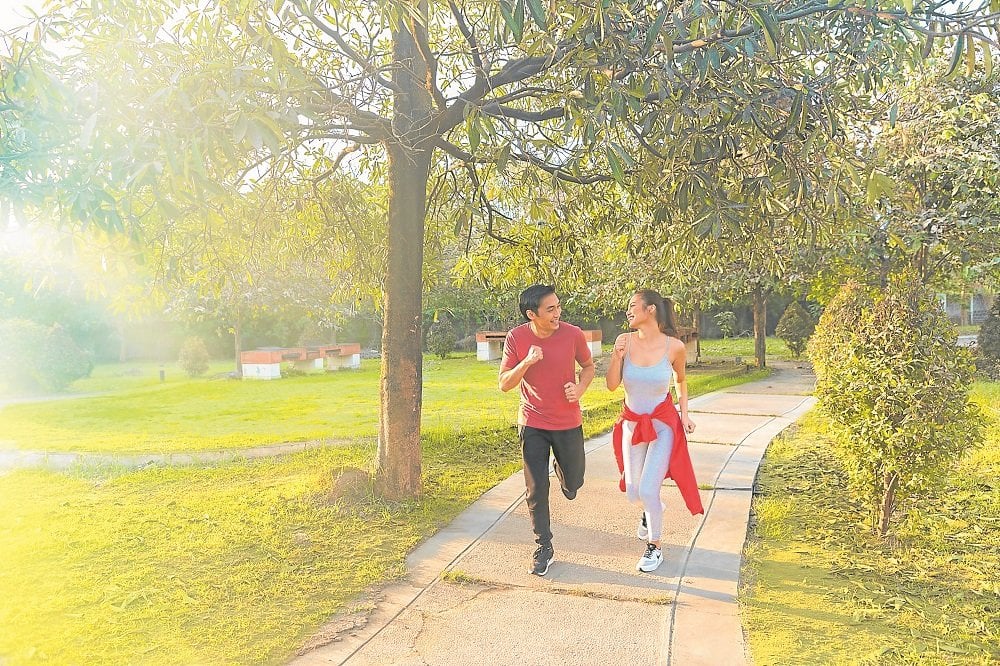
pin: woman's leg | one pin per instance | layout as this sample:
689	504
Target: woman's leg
654	469
634	458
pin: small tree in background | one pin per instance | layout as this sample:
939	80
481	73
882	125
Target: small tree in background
795	327
35	357
989	344
194	357
726	321
890	374
441	338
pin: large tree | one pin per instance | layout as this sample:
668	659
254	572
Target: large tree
550	92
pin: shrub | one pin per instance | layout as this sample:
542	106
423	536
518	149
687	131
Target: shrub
989	333
988	345
34	357
795	327
441	338
891	376
726	321
194	357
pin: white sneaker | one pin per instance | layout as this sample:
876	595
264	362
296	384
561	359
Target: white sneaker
651	560
643	530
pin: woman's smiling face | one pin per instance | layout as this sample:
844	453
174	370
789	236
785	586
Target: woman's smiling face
637	311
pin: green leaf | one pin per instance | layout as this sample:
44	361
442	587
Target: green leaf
654	32
770	29
908	6
988	59
503	157
616	166
956	56
473	130
893	113
513	16
538	13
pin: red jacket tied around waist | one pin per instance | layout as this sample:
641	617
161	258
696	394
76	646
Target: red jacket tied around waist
680	468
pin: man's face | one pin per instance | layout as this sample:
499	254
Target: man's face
546	320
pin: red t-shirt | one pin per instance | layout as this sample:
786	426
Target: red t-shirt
543	398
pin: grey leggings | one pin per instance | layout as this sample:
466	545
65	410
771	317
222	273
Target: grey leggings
645	468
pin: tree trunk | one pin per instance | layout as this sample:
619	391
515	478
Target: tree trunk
122	343
696	325
238	342
760	326
888	503
397	467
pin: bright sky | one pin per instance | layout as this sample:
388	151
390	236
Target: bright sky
13	12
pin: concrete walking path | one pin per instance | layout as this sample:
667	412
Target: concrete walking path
468	597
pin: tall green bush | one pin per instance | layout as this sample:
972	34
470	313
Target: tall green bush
988	345
726	321
890	374
989	334
194	357
441	338
795	327
35	357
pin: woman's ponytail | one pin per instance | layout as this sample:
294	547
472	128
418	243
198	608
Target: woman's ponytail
664	311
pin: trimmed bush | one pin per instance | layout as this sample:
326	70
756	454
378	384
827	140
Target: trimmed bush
795	327
441	338
194	357
34	357
891	376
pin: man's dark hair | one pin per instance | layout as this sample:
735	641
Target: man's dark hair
532	297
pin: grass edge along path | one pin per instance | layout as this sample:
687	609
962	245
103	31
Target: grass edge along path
819	588
238	562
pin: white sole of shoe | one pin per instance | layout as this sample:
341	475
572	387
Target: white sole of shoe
647	568
545	570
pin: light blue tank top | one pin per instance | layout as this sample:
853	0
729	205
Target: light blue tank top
646	386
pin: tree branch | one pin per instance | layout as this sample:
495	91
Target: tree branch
348	50
502	111
470	38
345	151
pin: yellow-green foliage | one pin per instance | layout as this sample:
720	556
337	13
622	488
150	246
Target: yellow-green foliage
820	589
892	378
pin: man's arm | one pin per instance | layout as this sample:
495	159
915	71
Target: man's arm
575	391
512	377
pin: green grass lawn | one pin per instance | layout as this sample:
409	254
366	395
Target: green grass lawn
819	588
238	562
729	348
138	413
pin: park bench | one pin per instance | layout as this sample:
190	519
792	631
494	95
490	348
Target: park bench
265	362
489	344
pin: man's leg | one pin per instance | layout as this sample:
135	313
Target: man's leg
535	448
571	459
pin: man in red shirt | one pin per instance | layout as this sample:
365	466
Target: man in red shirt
541	357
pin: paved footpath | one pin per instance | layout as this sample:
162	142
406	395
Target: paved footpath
468	599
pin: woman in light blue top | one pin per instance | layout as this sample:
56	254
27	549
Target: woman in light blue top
647	362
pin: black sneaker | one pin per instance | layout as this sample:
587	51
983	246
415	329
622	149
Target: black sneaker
568	494
541	560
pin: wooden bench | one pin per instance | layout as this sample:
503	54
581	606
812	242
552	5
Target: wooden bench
489	344
265	362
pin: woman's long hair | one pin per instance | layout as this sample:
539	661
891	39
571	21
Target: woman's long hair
664	310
